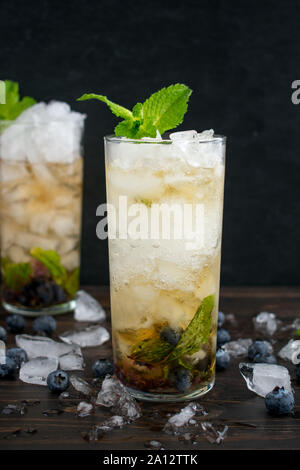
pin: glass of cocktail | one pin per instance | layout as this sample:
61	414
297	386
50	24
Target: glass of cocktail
165	204
40	203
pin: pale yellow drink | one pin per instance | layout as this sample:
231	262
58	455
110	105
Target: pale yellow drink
156	283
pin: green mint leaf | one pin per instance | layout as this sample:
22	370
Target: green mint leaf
51	260
14	106
72	283
298	332
151	350
197	332
165	108
16	275
116	109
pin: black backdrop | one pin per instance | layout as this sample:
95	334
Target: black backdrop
240	58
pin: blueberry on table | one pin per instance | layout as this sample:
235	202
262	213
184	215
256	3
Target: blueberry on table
170	336
15	323
222	359
18	355
222	337
3	334
258	347
58	381
45	324
221	319
103	367
264	359
279	401
8	369
181	378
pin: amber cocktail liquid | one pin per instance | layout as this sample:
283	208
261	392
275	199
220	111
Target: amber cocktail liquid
165	272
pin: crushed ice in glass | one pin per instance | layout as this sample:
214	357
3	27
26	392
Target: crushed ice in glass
266	323
84	409
88	337
291	351
71	361
37	346
87	308
36	370
238	348
114	395
263	378
81	385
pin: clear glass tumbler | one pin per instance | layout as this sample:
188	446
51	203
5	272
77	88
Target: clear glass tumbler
41	169
165	206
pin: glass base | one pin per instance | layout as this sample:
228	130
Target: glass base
171	398
37	312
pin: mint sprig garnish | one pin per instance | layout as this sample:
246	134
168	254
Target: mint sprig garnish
13	106
164	110
154	350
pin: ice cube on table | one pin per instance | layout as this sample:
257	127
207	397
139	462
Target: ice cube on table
71	361
2	352
111	423
182	419
114	395
183	136
36	370
291	351
238	348
213	433
87	308
266	323
36	346
84	409
88	337
263	378
81	385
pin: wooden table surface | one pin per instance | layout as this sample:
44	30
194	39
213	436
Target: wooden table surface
230	402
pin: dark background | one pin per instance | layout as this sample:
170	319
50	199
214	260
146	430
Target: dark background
239	57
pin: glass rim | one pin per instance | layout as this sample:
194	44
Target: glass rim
113	138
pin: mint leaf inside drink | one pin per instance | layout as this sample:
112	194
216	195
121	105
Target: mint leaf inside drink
14	105
162	111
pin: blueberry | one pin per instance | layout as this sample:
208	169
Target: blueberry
58	381
8	369
279	401
221	319
3	333
181	379
265	359
258	347
59	294
44	293
298	373
18	355
103	367
45	324
222	359
222	336
170	336
15	323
